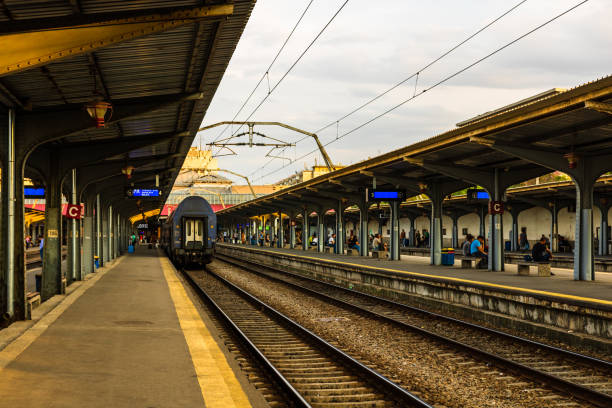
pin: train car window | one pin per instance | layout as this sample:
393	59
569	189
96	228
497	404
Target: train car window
188	228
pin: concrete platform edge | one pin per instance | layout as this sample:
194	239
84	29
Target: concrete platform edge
572	324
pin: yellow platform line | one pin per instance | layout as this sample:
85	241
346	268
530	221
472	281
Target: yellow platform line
219	386
451	278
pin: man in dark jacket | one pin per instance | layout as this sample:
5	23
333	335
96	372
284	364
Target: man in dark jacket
540	252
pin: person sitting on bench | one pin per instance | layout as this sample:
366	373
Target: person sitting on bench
540	252
478	251
467	244
352	242
376	246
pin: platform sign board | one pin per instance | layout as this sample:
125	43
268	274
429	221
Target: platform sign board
143	192
496	207
477	195
385	195
34	192
73	211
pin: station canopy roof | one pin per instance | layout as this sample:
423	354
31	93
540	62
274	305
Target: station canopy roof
158	63
517	143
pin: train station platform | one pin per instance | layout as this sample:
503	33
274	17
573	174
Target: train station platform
583	307
128	336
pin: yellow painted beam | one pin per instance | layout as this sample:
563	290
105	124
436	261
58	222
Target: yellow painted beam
22	51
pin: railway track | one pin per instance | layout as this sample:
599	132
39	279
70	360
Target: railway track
308	371
582	377
33	259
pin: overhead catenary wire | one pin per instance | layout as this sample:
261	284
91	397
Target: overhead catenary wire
299	58
266	73
435	85
408	78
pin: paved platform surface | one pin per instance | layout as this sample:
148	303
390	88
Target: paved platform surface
561	285
131	339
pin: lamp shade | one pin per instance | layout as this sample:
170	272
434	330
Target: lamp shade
98	111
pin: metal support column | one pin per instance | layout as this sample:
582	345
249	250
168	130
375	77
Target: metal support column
292	231
435	235
554	228
481	215
411	233
363	229
321	228
52	248
394	254
604	230
496	247
116	239
99	245
514	244
281	231
340	235
12	284
455	236
111	251
105	233
583	251
75	238
305	229
87	265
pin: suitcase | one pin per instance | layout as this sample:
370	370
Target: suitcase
131	249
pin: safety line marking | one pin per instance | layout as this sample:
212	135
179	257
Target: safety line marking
220	387
21	343
424	275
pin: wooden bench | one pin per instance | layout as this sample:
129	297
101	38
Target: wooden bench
380	254
328	250
287	246
313	248
32	301
523	268
352	252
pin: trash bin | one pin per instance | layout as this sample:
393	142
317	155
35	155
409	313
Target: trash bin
38	278
448	256
507	245
96	262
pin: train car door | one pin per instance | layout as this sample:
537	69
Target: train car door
199	231
189	233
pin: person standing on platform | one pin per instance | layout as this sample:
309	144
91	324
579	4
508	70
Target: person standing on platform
523	241
403	238
41	246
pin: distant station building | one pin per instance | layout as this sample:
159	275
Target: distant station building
305	175
200	176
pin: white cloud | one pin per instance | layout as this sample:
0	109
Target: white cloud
373	45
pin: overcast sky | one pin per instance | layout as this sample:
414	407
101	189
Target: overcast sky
373	45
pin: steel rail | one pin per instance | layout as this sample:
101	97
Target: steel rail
566	387
390	388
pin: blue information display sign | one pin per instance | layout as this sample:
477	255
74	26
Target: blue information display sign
477	194
143	192
33	192
385	195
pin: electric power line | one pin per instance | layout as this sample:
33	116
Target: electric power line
265	98
434	85
403	81
266	73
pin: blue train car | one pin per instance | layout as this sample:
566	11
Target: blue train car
188	236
